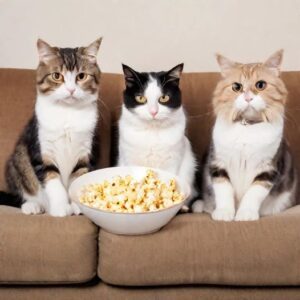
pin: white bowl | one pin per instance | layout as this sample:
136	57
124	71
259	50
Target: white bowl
127	223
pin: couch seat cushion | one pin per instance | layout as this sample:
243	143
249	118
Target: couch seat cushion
44	249
194	249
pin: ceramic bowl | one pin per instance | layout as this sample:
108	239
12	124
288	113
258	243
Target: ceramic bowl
127	223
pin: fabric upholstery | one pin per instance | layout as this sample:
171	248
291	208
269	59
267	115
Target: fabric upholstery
194	249
43	249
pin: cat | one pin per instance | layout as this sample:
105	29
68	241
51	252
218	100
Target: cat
153	123
59	142
248	171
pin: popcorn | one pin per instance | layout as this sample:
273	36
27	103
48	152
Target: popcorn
125	194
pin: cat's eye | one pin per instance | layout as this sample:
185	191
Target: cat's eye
57	77
237	87
260	85
81	76
164	98
140	99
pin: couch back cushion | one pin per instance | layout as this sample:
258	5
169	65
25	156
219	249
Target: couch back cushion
17	96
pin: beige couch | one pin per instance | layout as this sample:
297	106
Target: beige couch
193	257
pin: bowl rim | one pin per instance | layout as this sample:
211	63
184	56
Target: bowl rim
134	213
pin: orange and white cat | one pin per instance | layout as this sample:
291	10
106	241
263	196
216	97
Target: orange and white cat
249	171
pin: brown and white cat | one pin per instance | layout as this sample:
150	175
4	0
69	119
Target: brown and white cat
249	171
59	142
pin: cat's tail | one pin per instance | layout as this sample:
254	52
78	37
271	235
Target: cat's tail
10	199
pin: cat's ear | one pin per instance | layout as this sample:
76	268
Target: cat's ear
175	72
130	75
274	62
226	65
46	52
91	50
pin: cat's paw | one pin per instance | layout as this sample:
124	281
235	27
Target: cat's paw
246	215
61	210
75	209
197	206
32	208
224	214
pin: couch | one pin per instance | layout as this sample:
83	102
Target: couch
192	257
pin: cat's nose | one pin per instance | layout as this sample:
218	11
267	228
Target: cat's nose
248	96
153	112
71	90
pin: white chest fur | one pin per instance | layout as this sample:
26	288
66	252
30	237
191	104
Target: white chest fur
245	150
65	133
152	144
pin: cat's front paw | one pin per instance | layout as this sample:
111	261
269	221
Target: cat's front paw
32	208
61	210
223	214
246	215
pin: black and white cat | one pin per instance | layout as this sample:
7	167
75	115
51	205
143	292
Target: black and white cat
153	123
